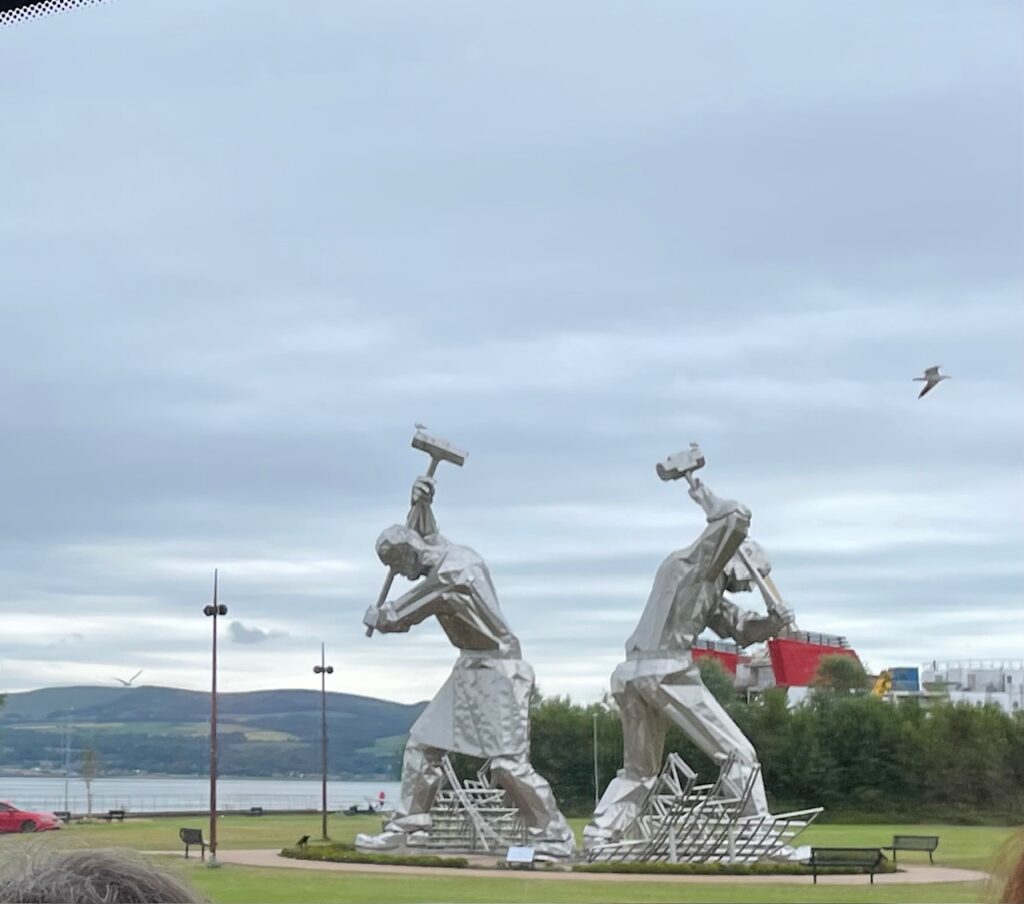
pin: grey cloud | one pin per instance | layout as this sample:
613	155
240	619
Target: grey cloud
74	637
247	634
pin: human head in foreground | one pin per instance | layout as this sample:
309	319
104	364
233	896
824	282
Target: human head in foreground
92	877
1013	891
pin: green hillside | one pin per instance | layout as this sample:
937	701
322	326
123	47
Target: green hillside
166	730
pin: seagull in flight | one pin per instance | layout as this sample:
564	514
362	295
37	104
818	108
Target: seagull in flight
128	683
931	379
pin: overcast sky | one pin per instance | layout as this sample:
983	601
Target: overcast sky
245	245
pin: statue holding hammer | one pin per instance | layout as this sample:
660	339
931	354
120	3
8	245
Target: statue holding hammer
660	682
482	710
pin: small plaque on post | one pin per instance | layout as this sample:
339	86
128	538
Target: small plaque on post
521	857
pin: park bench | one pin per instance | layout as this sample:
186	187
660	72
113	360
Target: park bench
63	815
255	811
114	814
926	843
519	858
867	858
193	837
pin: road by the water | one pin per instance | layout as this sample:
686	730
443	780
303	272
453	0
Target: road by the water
152	795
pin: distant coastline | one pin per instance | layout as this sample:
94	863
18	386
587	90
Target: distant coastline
164	732
189	794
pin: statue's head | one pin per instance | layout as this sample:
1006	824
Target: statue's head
737	577
406	551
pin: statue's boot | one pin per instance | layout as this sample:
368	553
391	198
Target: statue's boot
556	842
397	833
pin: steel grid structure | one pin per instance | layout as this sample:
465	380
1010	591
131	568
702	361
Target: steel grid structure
471	816
683	822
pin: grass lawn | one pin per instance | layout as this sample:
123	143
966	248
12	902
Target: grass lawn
231	884
964	846
233	832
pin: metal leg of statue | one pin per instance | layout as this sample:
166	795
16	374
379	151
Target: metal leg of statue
548	831
507	804
683	699
482	711
680	821
422	774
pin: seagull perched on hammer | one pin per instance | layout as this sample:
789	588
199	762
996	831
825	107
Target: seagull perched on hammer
931	379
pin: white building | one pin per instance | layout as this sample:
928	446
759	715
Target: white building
978	681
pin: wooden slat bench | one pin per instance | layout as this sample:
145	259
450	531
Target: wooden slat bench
63	815
866	858
926	843
114	814
193	837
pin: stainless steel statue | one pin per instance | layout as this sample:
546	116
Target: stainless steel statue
482	710
660	681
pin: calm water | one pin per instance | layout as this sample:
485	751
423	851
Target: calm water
142	795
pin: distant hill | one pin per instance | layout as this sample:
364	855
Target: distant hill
166	730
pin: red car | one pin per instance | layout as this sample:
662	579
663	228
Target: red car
14	820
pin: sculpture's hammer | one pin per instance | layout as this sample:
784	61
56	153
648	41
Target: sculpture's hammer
682	464
439	450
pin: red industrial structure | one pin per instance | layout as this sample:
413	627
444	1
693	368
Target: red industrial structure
793	659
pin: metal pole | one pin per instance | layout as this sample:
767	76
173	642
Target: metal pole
67	760
597	783
213	610
323	670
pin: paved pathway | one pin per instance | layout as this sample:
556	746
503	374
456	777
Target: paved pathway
911	875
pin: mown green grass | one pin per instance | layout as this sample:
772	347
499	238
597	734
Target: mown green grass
970	847
240	884
233	832
962	846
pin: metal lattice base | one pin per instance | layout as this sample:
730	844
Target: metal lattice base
683	822
471	816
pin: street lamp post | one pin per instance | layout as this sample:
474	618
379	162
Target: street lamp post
213	611
597	785
323	670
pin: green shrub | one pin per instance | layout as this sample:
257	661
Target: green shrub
346	853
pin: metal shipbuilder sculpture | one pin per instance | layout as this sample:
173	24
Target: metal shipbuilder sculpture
482	710
660	682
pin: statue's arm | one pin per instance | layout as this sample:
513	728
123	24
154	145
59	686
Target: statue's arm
728	523
744	626
421	512
424	600
715	508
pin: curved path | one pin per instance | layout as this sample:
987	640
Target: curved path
910	875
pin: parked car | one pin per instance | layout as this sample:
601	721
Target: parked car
14	820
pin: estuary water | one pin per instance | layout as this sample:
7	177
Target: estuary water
138	794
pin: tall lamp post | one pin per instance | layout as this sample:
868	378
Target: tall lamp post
213	611
323	670
597	785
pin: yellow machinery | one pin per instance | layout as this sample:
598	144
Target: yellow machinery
883	684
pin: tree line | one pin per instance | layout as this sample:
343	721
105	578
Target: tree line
843	749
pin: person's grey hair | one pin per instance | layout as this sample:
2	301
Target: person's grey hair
93	877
